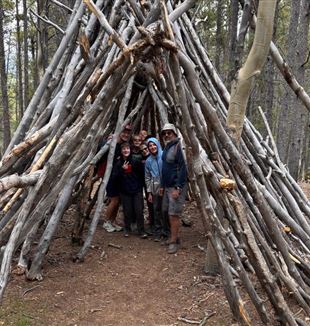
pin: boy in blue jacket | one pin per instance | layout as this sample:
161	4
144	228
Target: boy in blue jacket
153	171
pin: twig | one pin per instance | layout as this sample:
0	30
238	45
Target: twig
277	157
62	5
110	244
205	299
95	310
206	317
30	289
47	21
189	321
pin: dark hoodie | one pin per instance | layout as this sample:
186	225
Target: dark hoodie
129	181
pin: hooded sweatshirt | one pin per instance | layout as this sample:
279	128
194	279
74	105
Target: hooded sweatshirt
153	167
129	181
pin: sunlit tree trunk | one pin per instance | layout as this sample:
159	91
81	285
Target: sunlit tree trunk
251	68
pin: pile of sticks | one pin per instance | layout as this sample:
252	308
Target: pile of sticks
142	62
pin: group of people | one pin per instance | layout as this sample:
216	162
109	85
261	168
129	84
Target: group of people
142	164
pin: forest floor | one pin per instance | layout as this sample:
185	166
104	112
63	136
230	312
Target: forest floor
123	281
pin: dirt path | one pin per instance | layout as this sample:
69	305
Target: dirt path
138	284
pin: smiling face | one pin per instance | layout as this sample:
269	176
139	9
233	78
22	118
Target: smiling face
124	135
144	150
125	151
136	140
152	148
143	134
168	136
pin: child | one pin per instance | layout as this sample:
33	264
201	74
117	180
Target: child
128	174
153	167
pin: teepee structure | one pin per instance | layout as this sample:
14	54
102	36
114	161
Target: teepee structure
143	62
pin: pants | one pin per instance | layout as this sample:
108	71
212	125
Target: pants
133	210
161	223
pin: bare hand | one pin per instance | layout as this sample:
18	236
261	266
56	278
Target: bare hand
150	198
125	165
161	192
175	193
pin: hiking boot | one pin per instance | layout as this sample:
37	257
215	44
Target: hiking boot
108	227
173	248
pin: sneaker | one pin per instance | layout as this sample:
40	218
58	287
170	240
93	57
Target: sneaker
168	242
108	227
143	236
126	234
149	231
173	248
157	238
117	227
134	227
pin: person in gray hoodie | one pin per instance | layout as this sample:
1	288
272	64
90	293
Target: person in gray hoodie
153	172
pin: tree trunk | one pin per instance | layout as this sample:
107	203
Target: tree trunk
42	47
285	124
219	35
233	27
299	121
4	87
252	67
26	60
19	77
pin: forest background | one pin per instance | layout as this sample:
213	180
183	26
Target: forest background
30	32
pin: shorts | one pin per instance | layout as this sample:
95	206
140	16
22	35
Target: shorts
112	188
174	206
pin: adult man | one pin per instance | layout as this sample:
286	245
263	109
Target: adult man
112	187
174	182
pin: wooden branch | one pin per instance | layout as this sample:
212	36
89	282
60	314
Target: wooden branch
181	9
105	24
61	5
19	181
48	21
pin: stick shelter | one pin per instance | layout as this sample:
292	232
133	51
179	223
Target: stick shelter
142	62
